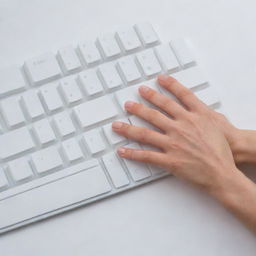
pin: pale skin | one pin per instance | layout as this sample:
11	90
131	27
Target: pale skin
196	144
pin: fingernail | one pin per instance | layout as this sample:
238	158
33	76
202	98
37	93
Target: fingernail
117	125
144	89
129	104
163	77
121	151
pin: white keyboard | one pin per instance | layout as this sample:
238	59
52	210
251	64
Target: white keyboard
57	148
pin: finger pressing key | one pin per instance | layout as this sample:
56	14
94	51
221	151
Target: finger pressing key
163	102
153	116
183	94
140	134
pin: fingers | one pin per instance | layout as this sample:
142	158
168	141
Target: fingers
145	156
140	134
165	103
183	94
153	116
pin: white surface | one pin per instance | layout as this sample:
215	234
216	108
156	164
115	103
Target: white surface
166	217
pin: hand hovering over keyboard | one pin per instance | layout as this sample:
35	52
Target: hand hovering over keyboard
196	145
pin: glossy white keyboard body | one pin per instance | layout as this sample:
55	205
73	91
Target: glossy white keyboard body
57	148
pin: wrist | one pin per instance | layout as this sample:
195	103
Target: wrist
243	146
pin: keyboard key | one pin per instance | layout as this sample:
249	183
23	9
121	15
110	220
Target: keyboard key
43	131
95	111
127	94
110	76
15	142
90	82
59	190
138	170
147	34
128	69
148	62
42	69
20	170
167	58
113	137
46	160
32	104
72	150
90	53
11	81
69	59
128	39
115	170
109	46
191	77
70	90
11	111
183	53
3	180
94	141
64	124
51	98
208	95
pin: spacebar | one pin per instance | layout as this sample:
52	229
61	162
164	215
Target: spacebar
82	185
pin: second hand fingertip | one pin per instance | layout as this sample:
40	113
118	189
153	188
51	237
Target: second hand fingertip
143	89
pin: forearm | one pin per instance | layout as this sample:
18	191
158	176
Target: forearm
238	195
244	146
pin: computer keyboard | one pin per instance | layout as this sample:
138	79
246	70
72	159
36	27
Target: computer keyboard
57	148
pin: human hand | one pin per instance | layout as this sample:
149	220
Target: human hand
193	141
196	145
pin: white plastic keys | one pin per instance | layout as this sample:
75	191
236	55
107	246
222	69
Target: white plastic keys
42	69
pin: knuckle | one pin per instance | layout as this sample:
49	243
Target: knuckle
184	93
146	156
144	134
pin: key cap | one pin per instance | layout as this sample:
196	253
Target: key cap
32	104
138	170
90	82
46	160
3	179
191	77
43	131
183	52
135	120
72	150
128	68
110	76
113	137
20	170
167	58
71	187
127	94
11	81
95	111
128	39
208	95
109	46
63	124
42	68
115	170
51	98
146	34
94	141
15	142
70	90
12	112
148	62
69	59
89	53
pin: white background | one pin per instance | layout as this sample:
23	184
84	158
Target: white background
167	217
